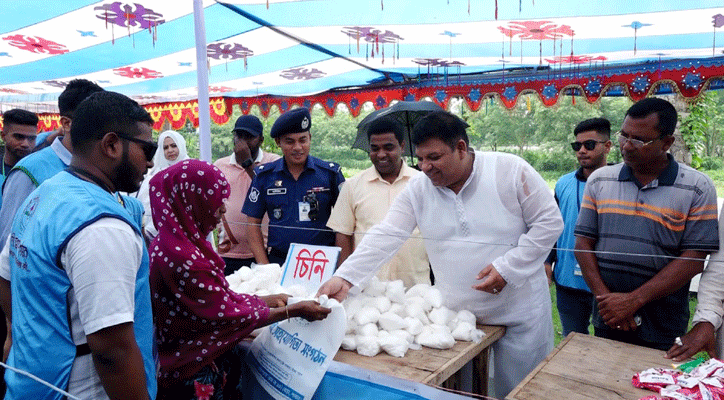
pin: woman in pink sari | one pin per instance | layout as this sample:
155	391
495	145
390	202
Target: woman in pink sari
198	319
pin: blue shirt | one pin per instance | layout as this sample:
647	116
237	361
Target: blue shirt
275	192
569	194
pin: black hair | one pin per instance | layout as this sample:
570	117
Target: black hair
665	111
75	92
440	125
19	116
601	125
104	112
386	125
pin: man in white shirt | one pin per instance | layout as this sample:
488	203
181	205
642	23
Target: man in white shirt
488	221
366	197
706	332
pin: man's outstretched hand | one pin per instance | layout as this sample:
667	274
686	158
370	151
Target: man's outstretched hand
335	288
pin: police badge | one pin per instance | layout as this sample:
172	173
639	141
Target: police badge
277	213
254	195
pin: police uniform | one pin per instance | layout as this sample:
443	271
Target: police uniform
298	209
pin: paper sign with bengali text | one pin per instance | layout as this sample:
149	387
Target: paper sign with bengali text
309	266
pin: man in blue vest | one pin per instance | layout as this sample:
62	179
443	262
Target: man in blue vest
32	170
81	303
573	297
28	173
20	127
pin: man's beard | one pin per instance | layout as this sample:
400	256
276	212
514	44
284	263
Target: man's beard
254	152
124	176
19	154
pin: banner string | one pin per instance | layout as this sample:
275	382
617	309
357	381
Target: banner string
511	245
42	382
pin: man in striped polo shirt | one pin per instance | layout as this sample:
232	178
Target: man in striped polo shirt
644	229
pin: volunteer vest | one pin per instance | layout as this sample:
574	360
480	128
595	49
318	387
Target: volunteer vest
39	166
42	341
569	192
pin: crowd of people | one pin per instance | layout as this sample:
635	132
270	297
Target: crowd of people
112	289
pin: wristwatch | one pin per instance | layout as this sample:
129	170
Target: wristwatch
247	163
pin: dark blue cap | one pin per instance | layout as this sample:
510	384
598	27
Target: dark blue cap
249	123
293	121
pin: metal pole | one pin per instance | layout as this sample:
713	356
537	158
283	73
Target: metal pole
202	78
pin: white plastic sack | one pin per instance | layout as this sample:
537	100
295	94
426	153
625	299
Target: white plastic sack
395	291
391	321
436	337
349	342
375	287
367	346
394	345
289	358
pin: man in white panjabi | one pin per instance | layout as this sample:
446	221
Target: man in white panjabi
488	221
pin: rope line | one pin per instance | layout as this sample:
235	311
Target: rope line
42	382
607	252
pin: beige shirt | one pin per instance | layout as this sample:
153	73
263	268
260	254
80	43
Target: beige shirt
239	181
363	203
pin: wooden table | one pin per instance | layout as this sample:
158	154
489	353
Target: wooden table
587	367
431	366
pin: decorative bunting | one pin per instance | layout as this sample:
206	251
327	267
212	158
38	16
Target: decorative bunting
687	78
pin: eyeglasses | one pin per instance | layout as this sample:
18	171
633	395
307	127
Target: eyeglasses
623	138
149	148
588	144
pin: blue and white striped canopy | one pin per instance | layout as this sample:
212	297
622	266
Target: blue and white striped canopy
146	48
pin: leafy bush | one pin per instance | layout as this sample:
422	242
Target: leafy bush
351	160
546	160
712	163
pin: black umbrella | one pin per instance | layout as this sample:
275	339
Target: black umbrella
407	113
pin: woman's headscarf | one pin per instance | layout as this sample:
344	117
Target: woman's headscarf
159	163
197	316
159	160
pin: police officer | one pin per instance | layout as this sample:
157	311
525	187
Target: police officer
297	192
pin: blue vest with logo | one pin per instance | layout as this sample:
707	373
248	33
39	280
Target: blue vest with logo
569	192
42	341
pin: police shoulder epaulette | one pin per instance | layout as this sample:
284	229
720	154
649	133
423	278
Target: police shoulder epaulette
264	168
332	166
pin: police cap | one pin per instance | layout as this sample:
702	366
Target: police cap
293	121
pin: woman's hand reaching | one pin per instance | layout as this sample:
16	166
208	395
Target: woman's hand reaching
275	300
310	310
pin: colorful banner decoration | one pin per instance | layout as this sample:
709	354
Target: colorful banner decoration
590	80
177	113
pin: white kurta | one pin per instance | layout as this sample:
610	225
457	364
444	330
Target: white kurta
710	306
505	215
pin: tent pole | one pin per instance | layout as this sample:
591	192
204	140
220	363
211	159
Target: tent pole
202	79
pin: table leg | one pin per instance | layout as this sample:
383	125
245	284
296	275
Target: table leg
480	372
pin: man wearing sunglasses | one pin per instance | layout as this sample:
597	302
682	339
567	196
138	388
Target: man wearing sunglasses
574	299
643	231
98	352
